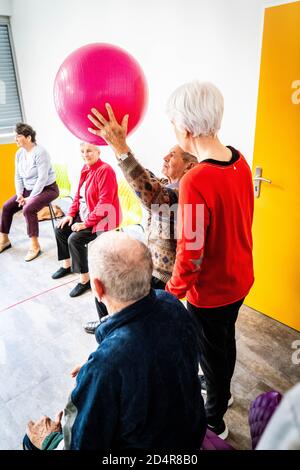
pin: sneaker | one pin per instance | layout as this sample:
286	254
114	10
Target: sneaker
61	272
203	384
91	326
220	430
79	289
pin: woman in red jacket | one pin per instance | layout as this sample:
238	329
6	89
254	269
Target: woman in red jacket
213	267
95	209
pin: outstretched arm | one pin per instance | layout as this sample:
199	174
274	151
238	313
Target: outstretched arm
145	184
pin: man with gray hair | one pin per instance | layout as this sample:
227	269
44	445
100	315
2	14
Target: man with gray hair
140	388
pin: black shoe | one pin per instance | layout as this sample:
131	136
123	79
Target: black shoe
203	384
91	326
61	272
80	289
220	430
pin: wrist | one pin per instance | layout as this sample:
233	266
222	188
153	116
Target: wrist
121	150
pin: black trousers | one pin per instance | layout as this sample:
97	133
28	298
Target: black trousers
74	245
216	330
102	310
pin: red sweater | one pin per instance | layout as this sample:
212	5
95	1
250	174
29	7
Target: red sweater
101	195
218	269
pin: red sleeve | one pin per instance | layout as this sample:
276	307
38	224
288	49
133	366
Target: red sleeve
107	185
193	220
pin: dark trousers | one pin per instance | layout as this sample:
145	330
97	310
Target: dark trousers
74	245
30	209
102	310
216	330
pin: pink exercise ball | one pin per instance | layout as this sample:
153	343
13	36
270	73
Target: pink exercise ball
96	74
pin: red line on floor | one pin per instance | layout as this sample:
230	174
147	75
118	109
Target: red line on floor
37	295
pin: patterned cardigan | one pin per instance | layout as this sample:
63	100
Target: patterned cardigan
160	200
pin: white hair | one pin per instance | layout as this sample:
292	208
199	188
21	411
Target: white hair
123	265
93	145
196	107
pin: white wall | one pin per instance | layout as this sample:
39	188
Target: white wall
5	7
174	41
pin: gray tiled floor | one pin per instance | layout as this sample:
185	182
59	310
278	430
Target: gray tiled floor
42	339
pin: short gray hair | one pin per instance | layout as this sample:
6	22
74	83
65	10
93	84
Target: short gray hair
123	265
196	107
188	157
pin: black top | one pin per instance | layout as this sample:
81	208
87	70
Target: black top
234	158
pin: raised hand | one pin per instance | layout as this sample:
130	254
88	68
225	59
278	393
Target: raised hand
111	131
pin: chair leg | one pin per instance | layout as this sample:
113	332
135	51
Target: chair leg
52	214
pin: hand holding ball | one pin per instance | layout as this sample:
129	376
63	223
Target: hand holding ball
110	130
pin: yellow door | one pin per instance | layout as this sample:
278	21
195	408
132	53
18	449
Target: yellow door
7	171
276	229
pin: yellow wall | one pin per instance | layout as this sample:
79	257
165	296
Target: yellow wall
7	171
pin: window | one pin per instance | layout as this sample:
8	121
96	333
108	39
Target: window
10	102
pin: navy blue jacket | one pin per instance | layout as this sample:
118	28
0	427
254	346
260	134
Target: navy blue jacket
140	388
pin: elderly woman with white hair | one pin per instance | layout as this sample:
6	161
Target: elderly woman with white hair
214	265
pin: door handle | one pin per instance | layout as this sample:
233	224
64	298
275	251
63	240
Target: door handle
258	180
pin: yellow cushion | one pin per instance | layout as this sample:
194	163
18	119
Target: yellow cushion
130	205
